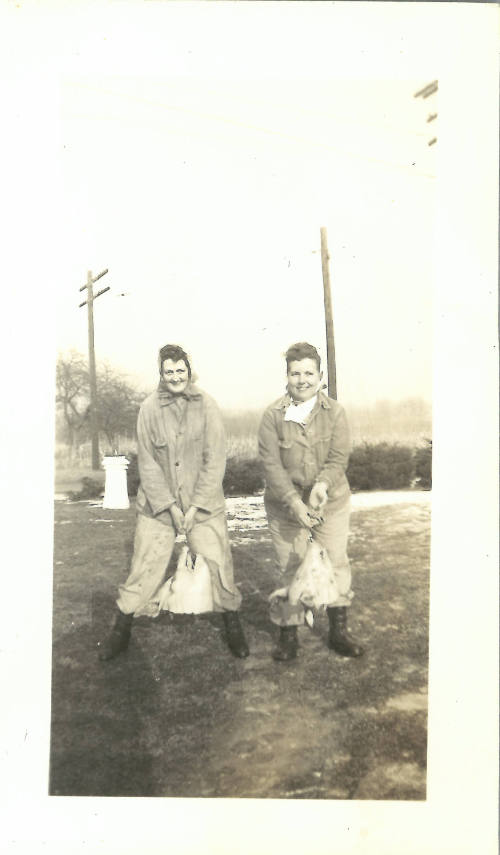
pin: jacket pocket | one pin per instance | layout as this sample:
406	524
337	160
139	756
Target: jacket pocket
161	452
323	439
321	447
291	454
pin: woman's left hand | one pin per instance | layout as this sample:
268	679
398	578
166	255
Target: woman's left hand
189	518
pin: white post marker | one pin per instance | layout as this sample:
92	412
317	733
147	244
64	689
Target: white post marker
115	487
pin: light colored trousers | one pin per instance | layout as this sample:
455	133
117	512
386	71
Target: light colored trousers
290	543
153	547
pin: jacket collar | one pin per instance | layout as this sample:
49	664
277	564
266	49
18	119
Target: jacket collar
284	402
191	393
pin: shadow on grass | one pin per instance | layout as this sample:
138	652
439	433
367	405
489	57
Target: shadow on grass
135	725
96	746
256	585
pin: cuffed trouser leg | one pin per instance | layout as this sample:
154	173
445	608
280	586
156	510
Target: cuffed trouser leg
290	544
153	547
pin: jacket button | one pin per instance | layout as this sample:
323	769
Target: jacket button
177	463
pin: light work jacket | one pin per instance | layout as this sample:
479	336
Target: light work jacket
295	456
181	453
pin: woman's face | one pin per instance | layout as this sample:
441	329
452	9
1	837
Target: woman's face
303	379
175	375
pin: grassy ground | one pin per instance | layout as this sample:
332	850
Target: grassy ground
69	478
178	716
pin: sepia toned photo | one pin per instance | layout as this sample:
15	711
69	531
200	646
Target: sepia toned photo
244	441
251	427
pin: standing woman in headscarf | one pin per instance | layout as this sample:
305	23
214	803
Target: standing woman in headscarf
182	458
304	446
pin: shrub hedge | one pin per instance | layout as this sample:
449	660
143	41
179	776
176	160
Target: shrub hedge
243	477
91	489
132	474
381	466
423	466
372	466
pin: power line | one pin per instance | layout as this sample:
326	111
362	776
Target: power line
428	90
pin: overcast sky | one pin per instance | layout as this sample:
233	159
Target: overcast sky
203	191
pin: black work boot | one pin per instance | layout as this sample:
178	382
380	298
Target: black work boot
288	643
338	638
118	639
234	635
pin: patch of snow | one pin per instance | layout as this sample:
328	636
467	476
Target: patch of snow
246	513
377	498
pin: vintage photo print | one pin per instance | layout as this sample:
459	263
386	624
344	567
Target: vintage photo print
262	616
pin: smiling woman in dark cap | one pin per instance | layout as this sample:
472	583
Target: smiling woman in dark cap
182	458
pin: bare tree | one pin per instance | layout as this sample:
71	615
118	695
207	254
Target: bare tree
118	402
72	395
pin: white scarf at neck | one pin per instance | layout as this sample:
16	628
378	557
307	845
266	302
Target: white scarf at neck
298	412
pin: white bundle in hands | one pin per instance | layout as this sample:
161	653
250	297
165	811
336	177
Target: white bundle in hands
189	590
314	584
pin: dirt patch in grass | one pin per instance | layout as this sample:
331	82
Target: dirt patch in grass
179	716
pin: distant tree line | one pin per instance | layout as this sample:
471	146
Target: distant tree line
402	419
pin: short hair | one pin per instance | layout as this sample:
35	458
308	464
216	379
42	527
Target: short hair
174	352
302	350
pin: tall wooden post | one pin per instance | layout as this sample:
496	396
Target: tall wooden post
94	429
330	341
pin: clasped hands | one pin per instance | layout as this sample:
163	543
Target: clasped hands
309	515
306	515
183	523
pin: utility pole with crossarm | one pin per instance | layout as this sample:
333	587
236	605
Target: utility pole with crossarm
94	430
